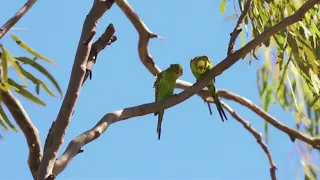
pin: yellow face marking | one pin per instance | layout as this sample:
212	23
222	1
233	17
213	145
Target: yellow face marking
201	66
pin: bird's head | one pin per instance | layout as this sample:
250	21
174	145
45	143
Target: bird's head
177	69
201	65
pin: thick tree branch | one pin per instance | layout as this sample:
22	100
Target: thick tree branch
256	135
77	75
105	39
12	21
237	28
293	134
144	36
29	130
92	134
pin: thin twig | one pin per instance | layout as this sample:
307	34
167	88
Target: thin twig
77	75
12	21
256	135
29	130
237	28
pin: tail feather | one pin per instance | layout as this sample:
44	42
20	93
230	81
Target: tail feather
160	116
219	108
217	102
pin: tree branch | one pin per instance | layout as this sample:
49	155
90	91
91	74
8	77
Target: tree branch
145	35
105	39
292	133
237	28
12	21
29	130
256	135
77	76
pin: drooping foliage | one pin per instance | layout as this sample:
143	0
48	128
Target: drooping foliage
8	63
289	71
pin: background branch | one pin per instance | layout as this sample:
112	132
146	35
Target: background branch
256	135
237	28
12	21
77	75
29	130
315	142
144	36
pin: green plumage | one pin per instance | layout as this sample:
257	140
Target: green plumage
164	87
199	66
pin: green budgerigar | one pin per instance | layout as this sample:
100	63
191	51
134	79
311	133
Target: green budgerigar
164	87
199	66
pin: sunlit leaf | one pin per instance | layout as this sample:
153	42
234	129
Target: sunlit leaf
30	50
26	93
222	6
42	70
16	67
6	119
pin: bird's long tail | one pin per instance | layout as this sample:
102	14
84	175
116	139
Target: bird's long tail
160	116
215	97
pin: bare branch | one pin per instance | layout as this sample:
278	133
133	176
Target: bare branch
293	134
48	137
144	36
105	39
29	130
256	135
92	134
237	28
77	75
12	21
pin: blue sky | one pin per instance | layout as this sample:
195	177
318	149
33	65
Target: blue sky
193	143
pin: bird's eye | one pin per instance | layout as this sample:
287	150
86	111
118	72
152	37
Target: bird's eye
177	72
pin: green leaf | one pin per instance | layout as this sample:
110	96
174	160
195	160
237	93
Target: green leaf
42	70
25	93
4	64
315	81
30	50
6	119
3	124
36	81
243	39
16	67
222	6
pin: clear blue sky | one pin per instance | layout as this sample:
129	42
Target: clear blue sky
193	144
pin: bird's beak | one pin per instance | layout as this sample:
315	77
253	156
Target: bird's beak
201	69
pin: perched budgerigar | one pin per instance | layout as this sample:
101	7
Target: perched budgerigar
199	66
164	86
